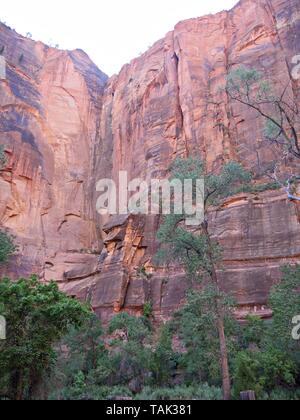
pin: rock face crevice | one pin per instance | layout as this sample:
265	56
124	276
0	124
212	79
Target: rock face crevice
65	126
49	109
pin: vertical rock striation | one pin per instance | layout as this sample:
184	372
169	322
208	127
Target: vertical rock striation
169	103
50	108
65	126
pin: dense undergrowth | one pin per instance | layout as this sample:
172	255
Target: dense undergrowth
57	349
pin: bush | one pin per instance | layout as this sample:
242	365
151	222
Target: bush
196	326
147	310
118	392
181	393
164	360
270	359
253	333
81	390
2	155
134	329
37	315
7	246
138	361
282	394
262	371
285	303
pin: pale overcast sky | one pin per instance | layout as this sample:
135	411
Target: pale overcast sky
112	32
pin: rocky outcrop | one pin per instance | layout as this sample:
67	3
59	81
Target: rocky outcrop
50	107
169	102
65	127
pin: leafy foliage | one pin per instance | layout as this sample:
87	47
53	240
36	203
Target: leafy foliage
254	332
271	358
187	248
279	111
262	371
164	360
285	302
7	246
196	251
119	366
133	349
196	325
181	393
131	360
37	316
217	186
195	248
85	370
147	310
282	394
135	329
2	157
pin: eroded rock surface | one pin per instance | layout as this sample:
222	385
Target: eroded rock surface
49	113
65	127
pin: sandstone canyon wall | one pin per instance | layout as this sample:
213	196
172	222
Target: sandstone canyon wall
50	107
65	126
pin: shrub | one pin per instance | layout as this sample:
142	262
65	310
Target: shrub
37	315
164	360
196	325
282	394
7	246
2	155
181	393
147	310
262	371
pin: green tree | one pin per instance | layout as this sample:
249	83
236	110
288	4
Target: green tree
7	246
84	370
195	248
280	111
197	327
130	356
2	157
254	332
281	115
86	344
262	371
164	360
94	371
134	329
285	302
133	348
270	357
37	316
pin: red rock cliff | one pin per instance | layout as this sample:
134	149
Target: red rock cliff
64	130
50	104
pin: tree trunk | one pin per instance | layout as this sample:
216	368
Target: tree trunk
20	388
220	323
224	359
17	385
34	385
